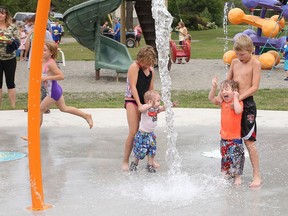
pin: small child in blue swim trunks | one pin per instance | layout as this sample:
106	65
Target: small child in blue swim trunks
145	140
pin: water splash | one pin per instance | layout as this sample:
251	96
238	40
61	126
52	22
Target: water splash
169	190
225	26
163	21
225	29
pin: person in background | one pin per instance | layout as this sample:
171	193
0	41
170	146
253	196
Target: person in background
138	34
28	48
285	54
117	29
23	37
183	33
56	32
9	43
29	22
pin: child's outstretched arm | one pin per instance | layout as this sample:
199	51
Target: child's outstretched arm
145	107
163	108
212	94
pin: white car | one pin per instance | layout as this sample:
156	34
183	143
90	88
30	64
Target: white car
56	15
21	16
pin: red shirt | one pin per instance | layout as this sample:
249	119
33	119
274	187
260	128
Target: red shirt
230	122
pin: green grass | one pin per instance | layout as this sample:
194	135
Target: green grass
208	44
76	52
266	99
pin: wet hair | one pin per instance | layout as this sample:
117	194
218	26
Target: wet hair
231	83
147	55
52	47
8	18
243	42
150	95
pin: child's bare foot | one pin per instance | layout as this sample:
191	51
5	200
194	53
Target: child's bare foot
227	176
125	166
237	180
89	120
156	165
256	182
24	138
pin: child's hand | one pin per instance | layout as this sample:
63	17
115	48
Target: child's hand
175	103
236	94
44	78
214	81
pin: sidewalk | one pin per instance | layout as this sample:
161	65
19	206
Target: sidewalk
194	75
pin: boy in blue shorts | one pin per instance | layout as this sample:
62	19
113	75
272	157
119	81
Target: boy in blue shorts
145	140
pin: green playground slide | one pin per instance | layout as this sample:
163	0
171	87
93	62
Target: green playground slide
83	22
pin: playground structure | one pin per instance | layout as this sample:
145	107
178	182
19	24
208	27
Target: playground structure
270	28
83	22
180	51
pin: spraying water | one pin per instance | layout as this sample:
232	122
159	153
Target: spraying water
225	26
163	21
225	29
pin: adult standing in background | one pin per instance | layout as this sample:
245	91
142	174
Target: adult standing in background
9	43
117	29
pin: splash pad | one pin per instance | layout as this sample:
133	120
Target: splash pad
10	156
81	168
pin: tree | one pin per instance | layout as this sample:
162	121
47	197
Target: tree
194	12
31	5
20	5
129	15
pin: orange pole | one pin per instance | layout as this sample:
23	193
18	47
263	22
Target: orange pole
34	107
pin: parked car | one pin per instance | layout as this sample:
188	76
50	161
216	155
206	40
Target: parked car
21	16
130	38
56	15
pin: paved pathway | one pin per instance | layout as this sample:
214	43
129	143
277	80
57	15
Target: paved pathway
194	75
